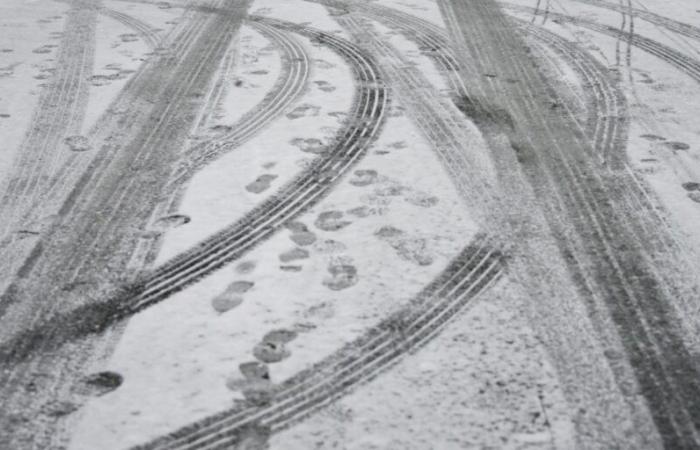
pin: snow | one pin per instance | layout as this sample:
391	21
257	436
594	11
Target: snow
486	381
23	29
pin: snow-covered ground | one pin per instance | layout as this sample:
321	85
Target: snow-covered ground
383	233
27	56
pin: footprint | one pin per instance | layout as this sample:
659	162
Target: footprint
388	232
222	303
305	110
303	238
360	211
421	199
325	310
172	221
309	145
364	178
342	276
261	184
323	64
280	336
290	268
245	267
104	80
255	383
691	186
254	370
271	352
59	409
77	143
240	287
44	49
409	248
652	137
324	86
674	145
293	255
331	221
228	299
296	226
329	246
103	382
129	37
694	196
390	189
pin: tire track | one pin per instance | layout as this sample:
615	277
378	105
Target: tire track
686	64
229	244
586	201
166	86
148	33
58	114
20	251
306	190
664	22
288	88
608	109
606	124
475	269
225	430
506	206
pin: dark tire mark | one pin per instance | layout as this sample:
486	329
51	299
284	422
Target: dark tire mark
236	240
76	262
610	260
379	348
288	89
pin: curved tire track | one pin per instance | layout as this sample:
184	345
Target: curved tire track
288	88
293	199
675	26
58	114
476	268
686	64
229	244
55	282
148	33
586	212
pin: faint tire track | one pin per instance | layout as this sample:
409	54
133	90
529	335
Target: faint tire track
306	190
148	33
681	61
287	90
675	26
229	244
289	86
72	265
475	269
58	114
610	258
